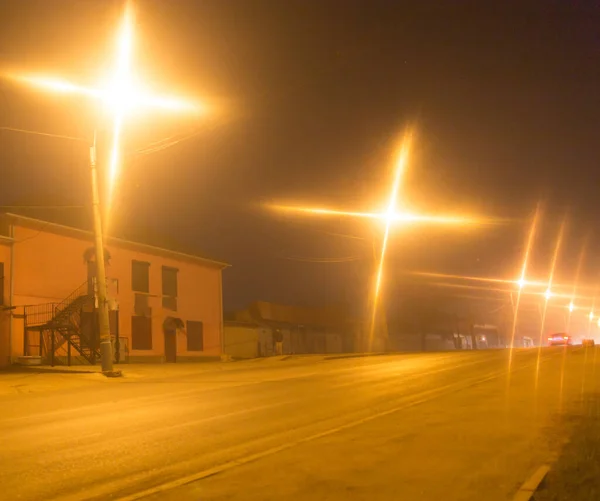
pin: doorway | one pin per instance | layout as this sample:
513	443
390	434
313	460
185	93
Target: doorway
170	345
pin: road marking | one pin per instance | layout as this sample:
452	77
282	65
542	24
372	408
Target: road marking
431	395
527	490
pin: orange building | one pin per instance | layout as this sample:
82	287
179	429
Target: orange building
165	305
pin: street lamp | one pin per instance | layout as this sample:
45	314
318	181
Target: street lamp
391	217
120	97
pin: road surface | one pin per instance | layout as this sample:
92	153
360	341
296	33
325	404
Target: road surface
450	426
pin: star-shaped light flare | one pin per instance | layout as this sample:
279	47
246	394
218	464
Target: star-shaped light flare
121	95
390	217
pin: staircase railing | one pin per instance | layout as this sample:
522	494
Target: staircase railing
39	314
82	290
60	326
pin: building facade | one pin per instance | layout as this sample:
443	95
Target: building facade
165	305
325	330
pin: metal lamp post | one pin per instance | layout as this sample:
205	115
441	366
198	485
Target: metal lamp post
121	96
106	352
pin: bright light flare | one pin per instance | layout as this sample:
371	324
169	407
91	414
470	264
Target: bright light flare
521	282
400	168
390	216
591	316
121	95
571	307
548	294
56	85
129	97
557	247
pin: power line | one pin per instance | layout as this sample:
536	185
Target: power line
42	206
47	134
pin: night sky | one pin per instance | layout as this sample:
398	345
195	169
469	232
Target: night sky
308	102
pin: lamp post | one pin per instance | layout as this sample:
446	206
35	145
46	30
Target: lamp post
389	218
120	97
106	354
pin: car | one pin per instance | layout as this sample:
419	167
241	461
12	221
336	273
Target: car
560	339
588	342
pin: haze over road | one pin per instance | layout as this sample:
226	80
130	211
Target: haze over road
422	426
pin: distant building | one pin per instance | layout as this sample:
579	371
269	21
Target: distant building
305	330
165	305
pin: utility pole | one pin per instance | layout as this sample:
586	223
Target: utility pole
106	354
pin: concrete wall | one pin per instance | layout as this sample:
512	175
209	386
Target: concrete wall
241	341
49	266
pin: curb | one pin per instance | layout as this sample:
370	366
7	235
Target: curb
46	370
527	490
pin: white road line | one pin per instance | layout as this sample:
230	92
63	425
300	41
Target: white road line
431	395
527	490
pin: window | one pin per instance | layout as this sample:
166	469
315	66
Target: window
140	276
169	288
2	281
195	336
141	333
141	307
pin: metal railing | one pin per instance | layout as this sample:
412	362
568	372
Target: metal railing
82	290
39	314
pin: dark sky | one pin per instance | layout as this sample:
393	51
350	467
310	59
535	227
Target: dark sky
309	101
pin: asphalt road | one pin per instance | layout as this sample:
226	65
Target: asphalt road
450	426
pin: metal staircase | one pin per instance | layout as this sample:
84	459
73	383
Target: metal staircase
62	329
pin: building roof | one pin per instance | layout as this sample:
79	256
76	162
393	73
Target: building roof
274	314
240	323
41	225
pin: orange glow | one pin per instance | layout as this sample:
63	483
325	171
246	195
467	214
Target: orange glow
400	167
521	282
557	247
56	85
389	216
576	283
120	96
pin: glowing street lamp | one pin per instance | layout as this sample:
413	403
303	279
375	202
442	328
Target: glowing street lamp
390	217
120	98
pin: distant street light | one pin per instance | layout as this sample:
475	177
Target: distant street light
120	97
391	216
